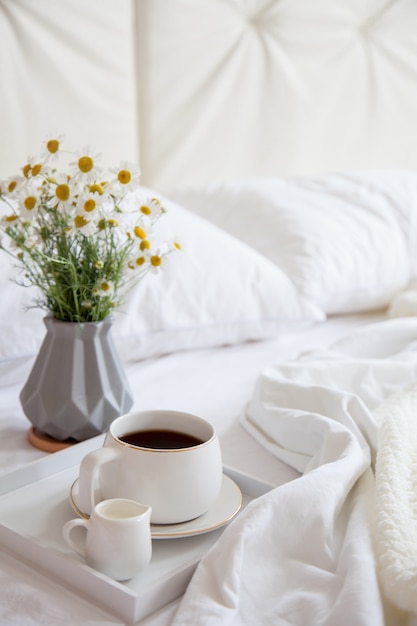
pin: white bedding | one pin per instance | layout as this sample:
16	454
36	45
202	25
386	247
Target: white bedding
305	551
215	383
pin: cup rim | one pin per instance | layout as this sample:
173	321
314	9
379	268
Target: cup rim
140	507
166	412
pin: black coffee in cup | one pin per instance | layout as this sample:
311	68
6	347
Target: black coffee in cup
161	439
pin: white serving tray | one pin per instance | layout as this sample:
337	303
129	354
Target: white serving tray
34	505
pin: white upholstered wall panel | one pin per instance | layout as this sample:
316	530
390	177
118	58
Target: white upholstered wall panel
66	65
264	87
225	87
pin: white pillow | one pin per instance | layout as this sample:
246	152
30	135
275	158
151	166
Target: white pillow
217	291
345	240
21	330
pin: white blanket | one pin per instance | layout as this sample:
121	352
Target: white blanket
319	549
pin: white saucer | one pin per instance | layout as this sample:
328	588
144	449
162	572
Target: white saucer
226	506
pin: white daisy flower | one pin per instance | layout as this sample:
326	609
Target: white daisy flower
89	204
104	288
127	176
52	147
176	244
151	208
81	224
64	193
12	185
33	168
29	201
87	167
103	188
157	260
140	232
139	262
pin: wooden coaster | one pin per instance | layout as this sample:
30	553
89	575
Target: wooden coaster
46	443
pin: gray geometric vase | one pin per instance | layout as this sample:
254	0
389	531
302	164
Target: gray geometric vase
77	385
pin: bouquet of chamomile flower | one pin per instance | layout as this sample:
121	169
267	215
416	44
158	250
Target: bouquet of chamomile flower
71	235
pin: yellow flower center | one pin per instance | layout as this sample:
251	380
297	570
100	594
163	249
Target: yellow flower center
30	203
26	170
140	260
10	218
62	192
80	221
124	177
177	245
99	264
139	232
105	286
144	245
36	169
86	164
11	186
52	146
156	260
114	223
145	209
89	205
97	188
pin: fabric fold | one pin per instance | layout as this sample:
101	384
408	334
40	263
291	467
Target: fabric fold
304	553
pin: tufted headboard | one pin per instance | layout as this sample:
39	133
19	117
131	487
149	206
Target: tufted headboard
196	90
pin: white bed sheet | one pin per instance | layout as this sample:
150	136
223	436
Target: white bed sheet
214	383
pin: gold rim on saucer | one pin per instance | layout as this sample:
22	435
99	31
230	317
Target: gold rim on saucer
226	507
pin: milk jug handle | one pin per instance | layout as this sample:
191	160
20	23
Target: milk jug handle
89	476
67	530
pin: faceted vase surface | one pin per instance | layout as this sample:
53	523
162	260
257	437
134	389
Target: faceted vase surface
77	385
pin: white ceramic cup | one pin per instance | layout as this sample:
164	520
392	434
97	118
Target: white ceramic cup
179	484
118	538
